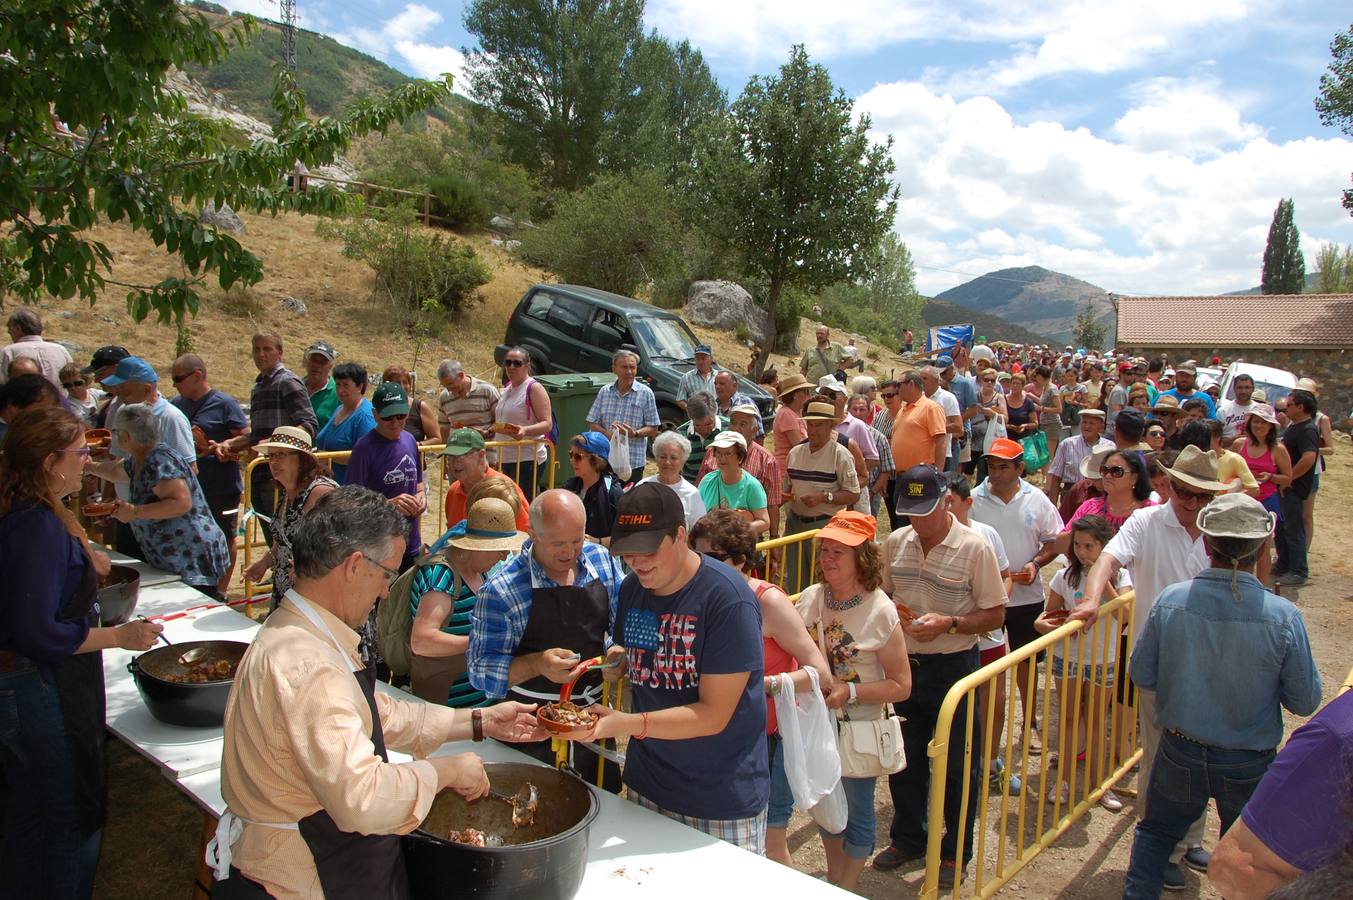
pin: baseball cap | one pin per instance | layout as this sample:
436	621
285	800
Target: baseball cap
1004	448
944	361
850	528
729	439
132	368
1237	516
1189	367
593	442
703	348
322	348
920	490
105	356
644	516
390	400
747	408
463	441
829	383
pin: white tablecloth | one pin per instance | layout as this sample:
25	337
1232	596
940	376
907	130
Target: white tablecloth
149	574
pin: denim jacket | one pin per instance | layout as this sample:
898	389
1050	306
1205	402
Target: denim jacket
1221	667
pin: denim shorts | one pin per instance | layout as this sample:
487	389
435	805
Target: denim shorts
1102	675
860	820
781	797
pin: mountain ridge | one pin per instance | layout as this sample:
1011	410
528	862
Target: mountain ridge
1036	298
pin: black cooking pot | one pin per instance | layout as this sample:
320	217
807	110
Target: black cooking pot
180	703
542	861
117	597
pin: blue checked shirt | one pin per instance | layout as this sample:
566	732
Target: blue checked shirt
503	605
636	408
693	383
740	399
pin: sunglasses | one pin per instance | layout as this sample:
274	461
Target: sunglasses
73	384
890	396
179	379
576	455
398	417
513	363
1190	496
1155	432
1114	471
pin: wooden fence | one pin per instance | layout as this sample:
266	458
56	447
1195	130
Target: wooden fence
369	191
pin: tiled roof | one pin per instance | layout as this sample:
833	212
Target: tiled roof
1255	320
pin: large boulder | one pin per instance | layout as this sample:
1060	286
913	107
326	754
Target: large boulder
224	218
725	305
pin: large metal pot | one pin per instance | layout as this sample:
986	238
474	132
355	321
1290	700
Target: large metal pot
179	703
117	597
543	861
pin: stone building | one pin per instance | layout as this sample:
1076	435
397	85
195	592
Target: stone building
1306	334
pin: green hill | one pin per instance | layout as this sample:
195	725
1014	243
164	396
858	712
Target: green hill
1036	298
331	74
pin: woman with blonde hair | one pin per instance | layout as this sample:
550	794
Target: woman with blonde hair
51	671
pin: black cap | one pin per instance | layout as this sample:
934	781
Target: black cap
646	513
920	490
105	356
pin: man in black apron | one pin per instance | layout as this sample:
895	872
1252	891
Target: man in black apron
547	609
315	808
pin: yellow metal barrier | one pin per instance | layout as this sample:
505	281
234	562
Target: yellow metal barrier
437	477
797	566
1348	683
1110	740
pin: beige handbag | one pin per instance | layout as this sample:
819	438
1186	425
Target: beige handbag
868	748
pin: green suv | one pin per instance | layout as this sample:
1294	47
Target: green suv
568	328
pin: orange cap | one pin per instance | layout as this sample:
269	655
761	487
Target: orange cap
1004	448
850	528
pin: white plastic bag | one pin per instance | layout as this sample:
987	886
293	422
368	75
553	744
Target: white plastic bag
812	761
995	431
620	454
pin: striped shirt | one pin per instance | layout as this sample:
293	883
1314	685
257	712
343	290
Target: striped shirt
693	471
474	410
958	576
831	468
693	383
440	579
636	408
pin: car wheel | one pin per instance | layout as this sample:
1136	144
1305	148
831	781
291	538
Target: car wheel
670	417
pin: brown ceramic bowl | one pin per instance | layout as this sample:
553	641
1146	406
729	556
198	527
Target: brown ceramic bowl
554	727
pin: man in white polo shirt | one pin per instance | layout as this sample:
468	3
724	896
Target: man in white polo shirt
1027	521
1160	545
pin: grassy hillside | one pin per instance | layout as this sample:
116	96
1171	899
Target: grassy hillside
1036	298
331	74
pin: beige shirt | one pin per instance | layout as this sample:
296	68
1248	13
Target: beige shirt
958	576
51	357
297	740
831	468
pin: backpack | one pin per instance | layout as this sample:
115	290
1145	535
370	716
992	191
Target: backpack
394	619
553	436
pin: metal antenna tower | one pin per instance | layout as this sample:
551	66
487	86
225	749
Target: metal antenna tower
288	10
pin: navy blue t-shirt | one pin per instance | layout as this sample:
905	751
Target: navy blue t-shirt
220	417
712	626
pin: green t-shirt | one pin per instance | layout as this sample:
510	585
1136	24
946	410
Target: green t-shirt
746	494
324	401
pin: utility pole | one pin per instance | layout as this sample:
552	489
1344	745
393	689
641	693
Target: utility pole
288	9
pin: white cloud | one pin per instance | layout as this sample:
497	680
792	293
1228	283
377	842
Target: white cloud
429	61
982	191
401	34
411	23
1190	117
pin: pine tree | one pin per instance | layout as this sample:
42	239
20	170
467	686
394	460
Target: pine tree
1284	266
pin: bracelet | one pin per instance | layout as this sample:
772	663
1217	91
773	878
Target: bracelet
476	724
643	734
854	695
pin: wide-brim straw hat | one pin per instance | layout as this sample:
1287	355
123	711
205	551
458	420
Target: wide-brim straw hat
490	525
819	410
288	437
791	383
1197	468
1093	465
1167	404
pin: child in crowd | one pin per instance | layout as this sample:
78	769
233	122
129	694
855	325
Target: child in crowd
1082	665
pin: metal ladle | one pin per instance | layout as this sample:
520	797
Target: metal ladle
188	657
524	804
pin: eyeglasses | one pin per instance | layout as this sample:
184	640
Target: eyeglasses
390	574
890	396
83	451
513	363
179	379
1189	496
1155	432
1114	471
576	455
398	417
80	382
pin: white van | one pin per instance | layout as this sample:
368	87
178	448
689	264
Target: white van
1275	383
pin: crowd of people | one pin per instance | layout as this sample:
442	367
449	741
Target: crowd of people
940	498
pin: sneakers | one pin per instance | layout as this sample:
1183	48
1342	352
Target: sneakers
1197	858
1109	800
1035	745
1064	794
1290	579
893	858
1174	878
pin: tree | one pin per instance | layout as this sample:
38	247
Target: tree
1284	266
551	71
1335	103
791	181
92	135
619	234
1088	332
884	303
1335	267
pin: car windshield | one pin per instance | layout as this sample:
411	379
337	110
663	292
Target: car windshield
663	336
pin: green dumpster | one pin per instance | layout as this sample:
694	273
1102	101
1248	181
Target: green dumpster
571	397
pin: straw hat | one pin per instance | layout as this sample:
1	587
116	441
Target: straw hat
1167	403
819	410
288	437
1197	468
1093	465
1265	412
490	526
791	383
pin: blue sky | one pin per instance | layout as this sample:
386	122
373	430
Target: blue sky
1139	145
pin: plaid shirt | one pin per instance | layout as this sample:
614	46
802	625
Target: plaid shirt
504	604
693	383
740	399
636	408
279	398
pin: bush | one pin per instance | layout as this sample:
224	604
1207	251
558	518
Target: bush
459	201
416	269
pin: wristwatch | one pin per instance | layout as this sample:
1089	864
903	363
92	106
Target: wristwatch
953	625
829	496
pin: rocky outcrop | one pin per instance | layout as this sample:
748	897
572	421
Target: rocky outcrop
224	218
726	306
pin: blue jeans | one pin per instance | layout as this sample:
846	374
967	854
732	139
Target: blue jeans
858	838
1291	537
42	853
1184	777
781	797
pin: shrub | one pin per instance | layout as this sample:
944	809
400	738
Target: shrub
415	268
459	201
